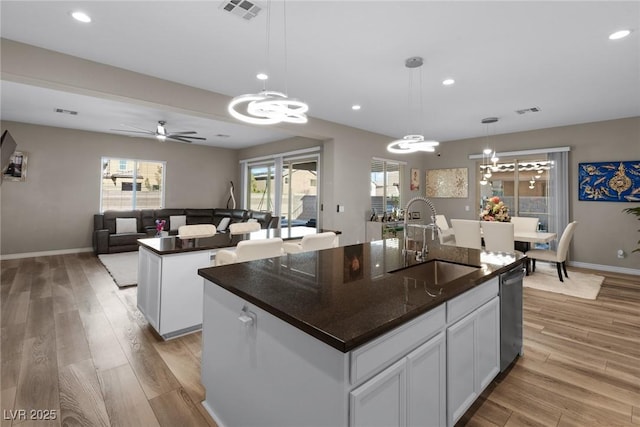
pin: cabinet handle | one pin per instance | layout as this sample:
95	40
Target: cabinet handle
248	318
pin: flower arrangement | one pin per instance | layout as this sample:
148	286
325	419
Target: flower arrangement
495	210
160	225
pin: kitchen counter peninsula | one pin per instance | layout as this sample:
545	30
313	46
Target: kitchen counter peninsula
341	336
169	287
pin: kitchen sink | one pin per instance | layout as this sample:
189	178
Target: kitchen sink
436	272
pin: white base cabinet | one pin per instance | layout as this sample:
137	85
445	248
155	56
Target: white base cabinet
170	291
258	370
473	353
411	392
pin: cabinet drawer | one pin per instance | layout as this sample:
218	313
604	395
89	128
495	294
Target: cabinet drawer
464	304
373	356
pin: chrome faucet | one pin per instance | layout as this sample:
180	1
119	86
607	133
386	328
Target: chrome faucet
433	226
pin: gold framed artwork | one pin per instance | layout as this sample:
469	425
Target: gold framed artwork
415	180
17	169
447	183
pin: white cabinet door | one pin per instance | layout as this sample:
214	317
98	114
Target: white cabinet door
488	343
381	401
427	384
461	367
182	291
473	357
149	283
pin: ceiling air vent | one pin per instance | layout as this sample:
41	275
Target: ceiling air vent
528	110
242	8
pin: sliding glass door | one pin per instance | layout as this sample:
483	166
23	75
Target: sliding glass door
299	205
261	187
286	185
522	184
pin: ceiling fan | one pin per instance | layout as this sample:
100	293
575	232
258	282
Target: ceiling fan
162	133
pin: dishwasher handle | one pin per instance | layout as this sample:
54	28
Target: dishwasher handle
513	276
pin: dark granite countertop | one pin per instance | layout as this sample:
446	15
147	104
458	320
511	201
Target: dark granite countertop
349	295
173	244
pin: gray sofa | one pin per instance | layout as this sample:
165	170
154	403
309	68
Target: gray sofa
106	240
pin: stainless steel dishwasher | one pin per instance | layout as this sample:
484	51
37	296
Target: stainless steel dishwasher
511	316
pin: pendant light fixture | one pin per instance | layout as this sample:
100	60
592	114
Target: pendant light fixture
413	142
269	107
494	158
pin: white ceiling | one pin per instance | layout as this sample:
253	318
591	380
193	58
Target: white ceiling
504	56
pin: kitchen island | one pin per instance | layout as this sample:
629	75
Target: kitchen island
355	335
169	288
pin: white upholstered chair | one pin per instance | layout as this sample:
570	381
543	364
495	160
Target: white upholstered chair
558	256
244	227
250	250
467	233
445	234
312	242
523	224
196	230
498	236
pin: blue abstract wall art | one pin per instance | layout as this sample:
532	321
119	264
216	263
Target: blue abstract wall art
609	181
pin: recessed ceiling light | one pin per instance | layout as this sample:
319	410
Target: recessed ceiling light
356	107
619	34
262	76
448	82
81	16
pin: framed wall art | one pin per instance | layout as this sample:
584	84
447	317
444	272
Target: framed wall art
447	183
415	180
617	181
17	169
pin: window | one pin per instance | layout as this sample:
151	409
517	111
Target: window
131	184
386	186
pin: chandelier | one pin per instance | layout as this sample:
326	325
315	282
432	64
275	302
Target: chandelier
413	142
269	107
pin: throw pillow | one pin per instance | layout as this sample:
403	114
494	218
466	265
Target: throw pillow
126	225
176	221
224	222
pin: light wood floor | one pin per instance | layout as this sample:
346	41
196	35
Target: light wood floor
73	343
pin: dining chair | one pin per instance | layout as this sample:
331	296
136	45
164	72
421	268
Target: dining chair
523	224
498	236
467	233
250	250
312	242
558	256
196	230
445	234
244	227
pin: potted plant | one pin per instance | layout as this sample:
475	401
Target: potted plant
634	211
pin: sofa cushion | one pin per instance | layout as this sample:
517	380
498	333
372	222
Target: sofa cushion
126	239
126	225
109	219
236	215
264	218
199	216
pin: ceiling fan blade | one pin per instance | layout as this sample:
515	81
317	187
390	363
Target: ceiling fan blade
177	138
173	135
186	132
134	131
141	129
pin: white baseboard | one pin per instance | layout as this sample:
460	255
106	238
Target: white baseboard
45	253
614	269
